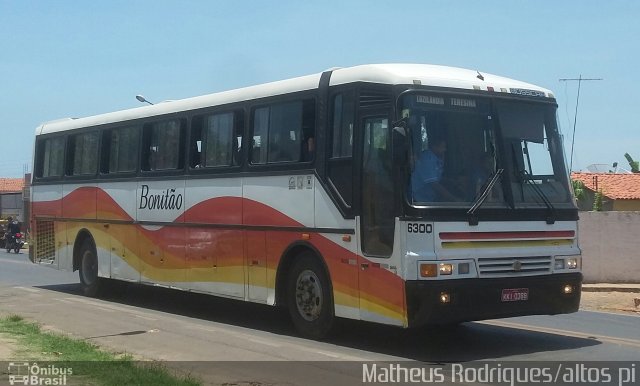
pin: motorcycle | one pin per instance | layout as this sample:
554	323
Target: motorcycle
14	242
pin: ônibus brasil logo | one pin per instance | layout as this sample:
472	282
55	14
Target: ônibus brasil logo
25	373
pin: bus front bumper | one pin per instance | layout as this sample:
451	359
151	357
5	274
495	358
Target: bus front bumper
454	301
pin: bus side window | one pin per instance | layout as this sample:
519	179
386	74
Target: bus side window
216	140
285	127
308	130
237	137
218	143
341	152
259	140
284	132
82	157
196	146
50	157
162	146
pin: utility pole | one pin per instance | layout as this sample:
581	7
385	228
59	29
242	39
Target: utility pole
579	79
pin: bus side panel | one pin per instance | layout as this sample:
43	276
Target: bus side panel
48	232
274	201
116	208
214	249
381	286
340	255
79	203
161	238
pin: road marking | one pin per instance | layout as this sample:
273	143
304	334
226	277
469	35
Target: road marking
340	356
62	301
575	334
264	342
144	317
32	290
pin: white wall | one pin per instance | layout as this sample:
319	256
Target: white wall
610	243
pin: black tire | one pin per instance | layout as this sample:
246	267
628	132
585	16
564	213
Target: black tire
17	250
90	282
309	297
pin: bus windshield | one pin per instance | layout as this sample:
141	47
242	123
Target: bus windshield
458	144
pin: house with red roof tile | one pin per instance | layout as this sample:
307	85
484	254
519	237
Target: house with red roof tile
11	185
12	198
620	192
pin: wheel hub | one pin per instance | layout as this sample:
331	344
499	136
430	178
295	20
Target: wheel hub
308	295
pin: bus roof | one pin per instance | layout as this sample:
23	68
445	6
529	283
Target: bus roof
424	74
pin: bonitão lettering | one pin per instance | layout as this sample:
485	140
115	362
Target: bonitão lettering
165	200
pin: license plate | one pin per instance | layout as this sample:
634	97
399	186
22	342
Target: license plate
515	294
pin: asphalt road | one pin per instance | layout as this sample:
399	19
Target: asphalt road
163	324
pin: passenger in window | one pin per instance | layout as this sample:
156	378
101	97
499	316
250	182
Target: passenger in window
308	148
426	181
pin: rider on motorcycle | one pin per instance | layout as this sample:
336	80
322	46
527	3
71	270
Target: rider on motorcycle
13	236
13	226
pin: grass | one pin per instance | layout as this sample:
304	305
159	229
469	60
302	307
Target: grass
88	362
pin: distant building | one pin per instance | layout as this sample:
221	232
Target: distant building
620	192
12	197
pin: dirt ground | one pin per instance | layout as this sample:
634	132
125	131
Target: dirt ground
618	302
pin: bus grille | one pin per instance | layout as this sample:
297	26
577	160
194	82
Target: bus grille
45	242
514	266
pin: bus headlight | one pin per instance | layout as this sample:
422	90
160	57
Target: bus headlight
572	263
446	269
566	262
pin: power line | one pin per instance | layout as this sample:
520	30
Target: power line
579	79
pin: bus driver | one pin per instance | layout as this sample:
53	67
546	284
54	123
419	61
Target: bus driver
426	179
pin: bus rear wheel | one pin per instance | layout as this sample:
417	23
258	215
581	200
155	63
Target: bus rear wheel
89	279
310	301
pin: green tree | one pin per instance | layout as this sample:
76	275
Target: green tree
635	165
597	201
578	189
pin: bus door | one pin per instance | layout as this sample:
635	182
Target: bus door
381	294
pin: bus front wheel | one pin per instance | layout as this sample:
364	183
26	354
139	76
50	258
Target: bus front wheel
89	279
310	300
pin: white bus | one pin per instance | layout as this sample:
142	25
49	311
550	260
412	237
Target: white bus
403	194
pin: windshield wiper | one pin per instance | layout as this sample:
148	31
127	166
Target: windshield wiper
526	176
523	174
473	220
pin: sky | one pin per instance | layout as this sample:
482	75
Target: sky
77	58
